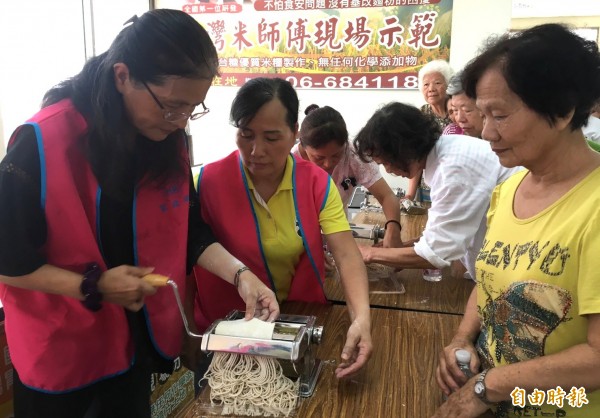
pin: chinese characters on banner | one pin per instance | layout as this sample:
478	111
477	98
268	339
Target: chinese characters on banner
364	44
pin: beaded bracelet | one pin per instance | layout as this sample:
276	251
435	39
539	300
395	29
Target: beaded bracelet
236	278
392	221
89	288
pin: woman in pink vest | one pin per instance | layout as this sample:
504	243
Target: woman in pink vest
324	141
96	191
269	208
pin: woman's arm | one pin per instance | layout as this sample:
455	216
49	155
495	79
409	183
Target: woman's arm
405	257
577	366
449	377
121	285
253	291
413	185
358	347
391	208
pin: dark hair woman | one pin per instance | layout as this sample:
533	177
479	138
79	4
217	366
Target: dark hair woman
532	325
324	141
98	191
461	171
283	208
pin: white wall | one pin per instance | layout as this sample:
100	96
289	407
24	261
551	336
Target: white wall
472	22
42	43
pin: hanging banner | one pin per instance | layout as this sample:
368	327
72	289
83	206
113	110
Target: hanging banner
332	44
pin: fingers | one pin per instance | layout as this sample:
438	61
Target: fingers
355	354
138	271
250	307
347	369
446	371
268	312
135	306
262	314
443	386
273	310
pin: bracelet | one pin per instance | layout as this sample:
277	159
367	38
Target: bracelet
236	278
392	221
89	288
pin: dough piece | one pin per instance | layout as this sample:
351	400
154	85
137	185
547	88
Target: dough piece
255	328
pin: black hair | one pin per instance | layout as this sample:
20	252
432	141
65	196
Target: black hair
552	70
158	44
259	91
397	134
321	126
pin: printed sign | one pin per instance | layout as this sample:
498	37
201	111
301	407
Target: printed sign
330	44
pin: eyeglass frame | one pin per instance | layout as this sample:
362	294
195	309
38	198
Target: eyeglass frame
169	114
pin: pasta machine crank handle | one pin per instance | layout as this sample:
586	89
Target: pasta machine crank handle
158	280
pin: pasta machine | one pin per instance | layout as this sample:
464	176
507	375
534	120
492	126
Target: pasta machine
413	208
291	340
292	343
367	231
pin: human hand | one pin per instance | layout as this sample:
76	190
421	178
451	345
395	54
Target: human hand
365	251
124	286
449	377
260	300
329	262
392	239
462	404
457	269
357	349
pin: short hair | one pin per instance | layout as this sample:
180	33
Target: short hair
398	134
259	91
436	66
321	126
552	70
455	85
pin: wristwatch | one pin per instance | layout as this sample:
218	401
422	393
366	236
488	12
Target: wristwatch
89	288
480	389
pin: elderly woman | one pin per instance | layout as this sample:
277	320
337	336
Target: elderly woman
433	82
468	118
269	208
461	171
533	323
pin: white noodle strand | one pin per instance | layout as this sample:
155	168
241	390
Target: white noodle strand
250	385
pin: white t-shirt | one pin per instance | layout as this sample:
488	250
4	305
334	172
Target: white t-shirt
351	170
462	172
592	130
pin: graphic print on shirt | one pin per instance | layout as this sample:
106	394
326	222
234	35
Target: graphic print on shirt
502	255
523	316
518	321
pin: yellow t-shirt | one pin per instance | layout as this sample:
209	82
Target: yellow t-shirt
536	278
278	229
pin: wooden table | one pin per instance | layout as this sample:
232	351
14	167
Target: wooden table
398	380
405	289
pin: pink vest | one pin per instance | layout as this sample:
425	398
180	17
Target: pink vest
55	343
226	206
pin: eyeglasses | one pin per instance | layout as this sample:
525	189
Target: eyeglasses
172	116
